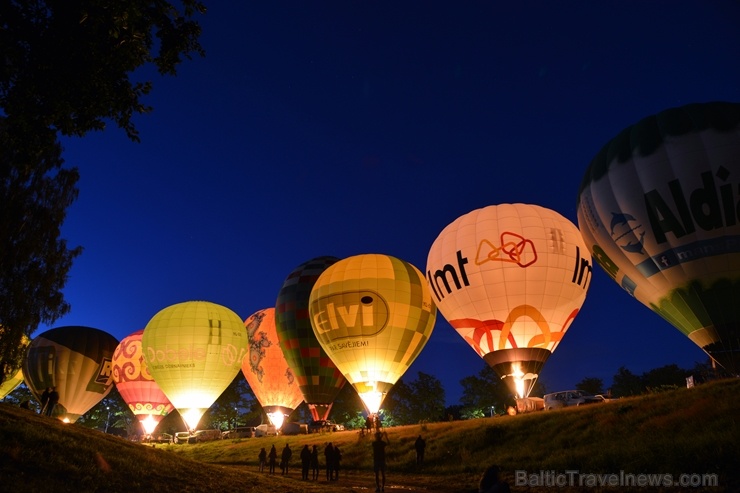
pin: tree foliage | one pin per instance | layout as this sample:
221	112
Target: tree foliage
482	392
67	68
422	399
591	385
236	406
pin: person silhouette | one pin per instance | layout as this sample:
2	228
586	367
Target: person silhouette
420	444
272	456
329	457
337	458
379	446
305	461
490	482
262	458
315	462
44	399
285	458
52	402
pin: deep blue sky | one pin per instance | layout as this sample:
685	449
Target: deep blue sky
346	127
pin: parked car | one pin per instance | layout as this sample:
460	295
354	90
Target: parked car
567	398
239	432
294	429
206	435
323	425
160	438
265	430
182	437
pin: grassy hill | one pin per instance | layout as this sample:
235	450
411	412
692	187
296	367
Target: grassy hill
682	432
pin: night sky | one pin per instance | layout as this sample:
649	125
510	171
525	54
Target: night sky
346	127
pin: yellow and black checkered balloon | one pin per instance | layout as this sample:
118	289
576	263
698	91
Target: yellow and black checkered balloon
372	314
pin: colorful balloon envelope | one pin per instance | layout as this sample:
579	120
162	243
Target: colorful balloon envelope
194	350
13	376
510	279
77	361
136	385
372	314
10	383
659	208
318	377
267	371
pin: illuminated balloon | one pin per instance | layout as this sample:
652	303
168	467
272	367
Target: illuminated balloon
77	361
136	385
372	314
13	377
267	370
194	350
510	279
318	377
10	383
659	208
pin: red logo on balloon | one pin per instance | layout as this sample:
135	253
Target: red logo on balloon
514	249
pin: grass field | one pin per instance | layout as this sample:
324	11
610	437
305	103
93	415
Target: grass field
693	435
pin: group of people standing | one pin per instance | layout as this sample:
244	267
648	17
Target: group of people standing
309	461
49	400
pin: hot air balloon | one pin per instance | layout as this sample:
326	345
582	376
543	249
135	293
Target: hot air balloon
77	361
318	377
194	350
510	279
372	314
267	371
10	383
136	385
659	208
13	376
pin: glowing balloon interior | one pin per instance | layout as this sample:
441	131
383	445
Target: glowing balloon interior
318	377
658	208
510	279
194	350
372	314
267	371
136	385
77	361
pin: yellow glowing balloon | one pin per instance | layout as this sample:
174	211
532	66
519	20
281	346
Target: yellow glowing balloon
13	377
9	384
510	279
372	314
194	350
267	371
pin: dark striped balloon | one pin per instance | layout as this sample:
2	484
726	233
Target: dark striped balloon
317	376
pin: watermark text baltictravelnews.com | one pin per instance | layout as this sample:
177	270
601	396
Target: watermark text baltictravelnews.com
569	478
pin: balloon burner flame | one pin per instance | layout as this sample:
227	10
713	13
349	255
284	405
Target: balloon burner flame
148	424
276	419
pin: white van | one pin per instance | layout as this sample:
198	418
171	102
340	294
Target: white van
265	430
567	398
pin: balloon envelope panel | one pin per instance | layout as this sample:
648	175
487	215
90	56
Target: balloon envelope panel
318	377
265	367
134	381
194	350
372	314
510	279
659	209
77	361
